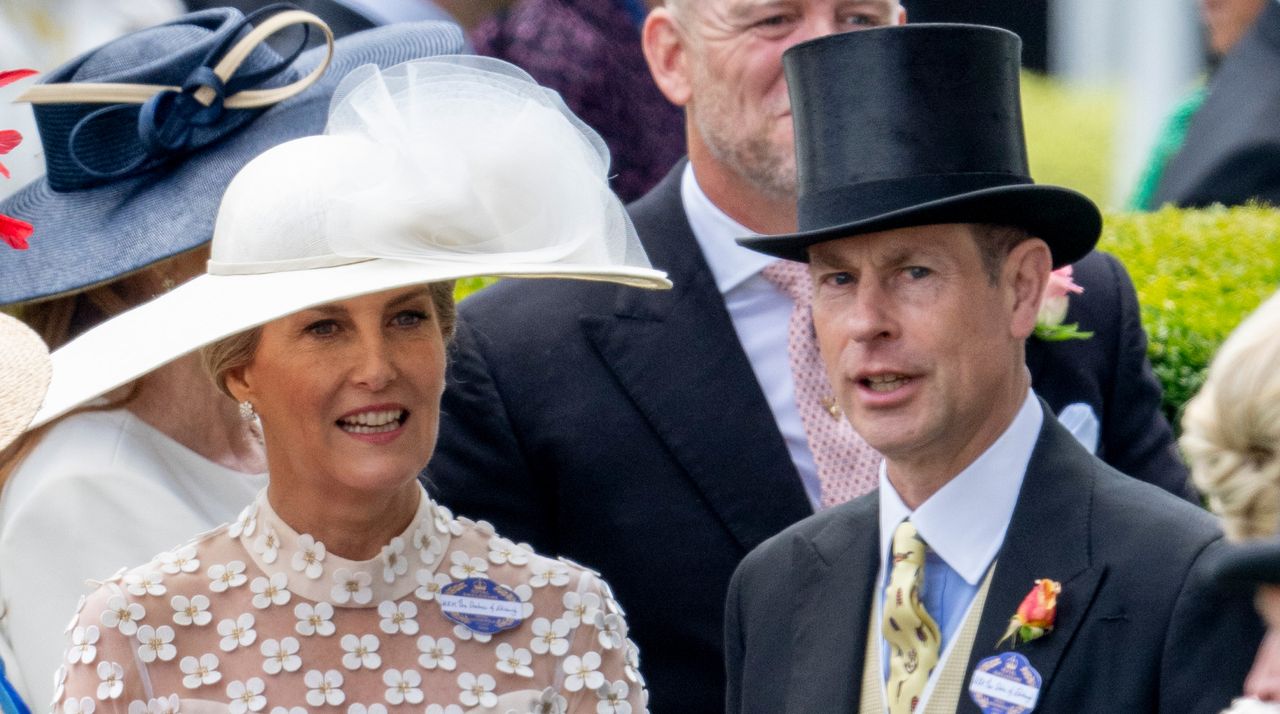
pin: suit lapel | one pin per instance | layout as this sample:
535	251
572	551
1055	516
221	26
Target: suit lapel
832	608
678	358
1048	537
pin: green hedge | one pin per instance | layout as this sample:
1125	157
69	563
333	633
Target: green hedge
1198	274
1069	135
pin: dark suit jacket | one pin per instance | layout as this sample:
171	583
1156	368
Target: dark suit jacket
1140	626
1232	149
625	429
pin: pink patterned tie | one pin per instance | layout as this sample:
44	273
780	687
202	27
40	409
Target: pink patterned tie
847	466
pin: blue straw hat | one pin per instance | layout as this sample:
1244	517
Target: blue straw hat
142	136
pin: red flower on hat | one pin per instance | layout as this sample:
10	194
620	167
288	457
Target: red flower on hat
13	231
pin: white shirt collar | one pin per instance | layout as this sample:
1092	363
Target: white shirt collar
965	521
731	264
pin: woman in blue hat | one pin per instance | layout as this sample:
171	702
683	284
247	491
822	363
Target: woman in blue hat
141	137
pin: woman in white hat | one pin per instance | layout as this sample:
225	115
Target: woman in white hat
326	313
136	169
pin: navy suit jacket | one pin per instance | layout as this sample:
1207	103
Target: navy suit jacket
625	429
1232	149
1141	626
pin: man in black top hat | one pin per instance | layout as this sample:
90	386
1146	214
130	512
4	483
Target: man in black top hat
656	437
1000	566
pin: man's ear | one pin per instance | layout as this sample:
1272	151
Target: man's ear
665	49
1026	273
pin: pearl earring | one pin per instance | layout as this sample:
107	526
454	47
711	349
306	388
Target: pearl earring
246	411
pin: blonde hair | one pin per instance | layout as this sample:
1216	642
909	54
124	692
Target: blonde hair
1231	429
231	353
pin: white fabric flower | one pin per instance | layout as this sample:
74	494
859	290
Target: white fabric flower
465	566
237	633
613	630
83	705
361	652
580	608
59	681
247	696
163	705
430	583
267	545
200	671
463	632
549	573
514	661
123	615
182	560
394	562
193	611
445	522
112	684
75	619
437	709
270	591
362	709
428	546
351	587
477	691
226	576
84	645
157	643
583	672
398	618
314	620
403	686
290	710
503	551
309	560
632	668
613	698
244	523
324	687
550	702
281	655
550	636
149	583
436	653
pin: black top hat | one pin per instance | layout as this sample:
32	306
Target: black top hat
917	125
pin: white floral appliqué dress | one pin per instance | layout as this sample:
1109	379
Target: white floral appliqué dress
254	617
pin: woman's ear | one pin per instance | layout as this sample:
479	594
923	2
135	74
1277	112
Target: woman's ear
237	383
665	49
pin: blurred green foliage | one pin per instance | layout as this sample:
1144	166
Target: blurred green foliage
466	286
1069	135
1198	274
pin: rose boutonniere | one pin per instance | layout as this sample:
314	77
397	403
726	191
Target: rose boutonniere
1053	309
12	231
1035	616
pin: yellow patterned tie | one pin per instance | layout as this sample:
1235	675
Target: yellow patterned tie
913	636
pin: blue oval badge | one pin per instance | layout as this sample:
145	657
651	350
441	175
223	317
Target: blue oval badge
481	605
1005	684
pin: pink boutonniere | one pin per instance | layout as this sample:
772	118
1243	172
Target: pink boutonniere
1035	616
12	231
1053	309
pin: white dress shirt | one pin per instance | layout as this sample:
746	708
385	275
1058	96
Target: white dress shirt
761	315
964	524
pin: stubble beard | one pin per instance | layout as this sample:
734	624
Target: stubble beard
751	153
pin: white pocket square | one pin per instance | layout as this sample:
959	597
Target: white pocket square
1083	424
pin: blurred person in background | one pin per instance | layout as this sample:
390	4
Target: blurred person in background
1231	437
721	428
22	387
124	214
589	51
1231	150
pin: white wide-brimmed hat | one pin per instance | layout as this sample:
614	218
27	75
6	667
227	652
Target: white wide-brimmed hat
24	379
433	170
